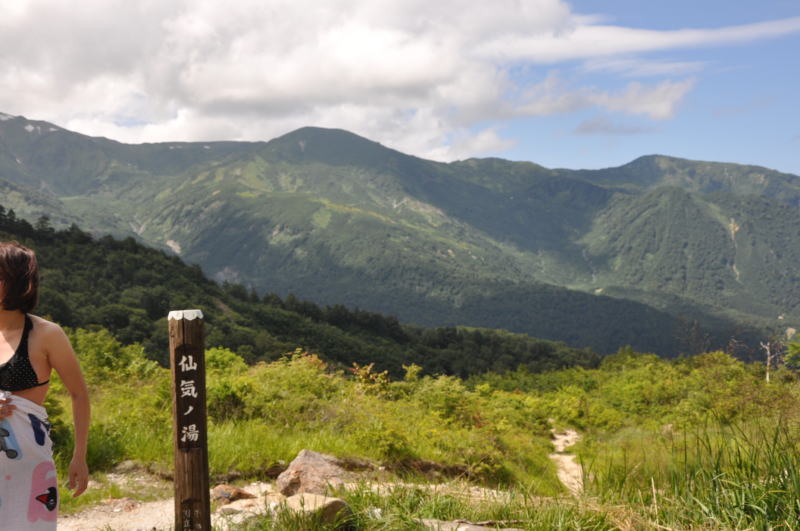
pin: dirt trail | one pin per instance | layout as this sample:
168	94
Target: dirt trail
126	514
123	514
568	470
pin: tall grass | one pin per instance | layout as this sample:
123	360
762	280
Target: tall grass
743	476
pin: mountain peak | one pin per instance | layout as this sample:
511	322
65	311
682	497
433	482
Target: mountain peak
9	122
331	146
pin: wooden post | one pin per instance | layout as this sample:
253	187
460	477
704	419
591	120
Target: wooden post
187	361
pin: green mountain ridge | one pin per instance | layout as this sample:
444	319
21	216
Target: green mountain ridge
126	288
651	171
339	219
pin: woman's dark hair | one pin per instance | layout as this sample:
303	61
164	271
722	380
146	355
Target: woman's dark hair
19	276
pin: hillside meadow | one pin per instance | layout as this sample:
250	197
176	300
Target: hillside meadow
701	442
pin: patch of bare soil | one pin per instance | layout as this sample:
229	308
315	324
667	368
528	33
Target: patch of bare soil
126	514
121	514
568	470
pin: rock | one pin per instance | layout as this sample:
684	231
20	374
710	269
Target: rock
311	472
274	501
328	510
234	514
229	493
228	510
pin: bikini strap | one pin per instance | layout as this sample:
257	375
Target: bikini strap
26	330
23	344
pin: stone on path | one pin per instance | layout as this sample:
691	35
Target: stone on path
311	472
229	493
328	510
232	515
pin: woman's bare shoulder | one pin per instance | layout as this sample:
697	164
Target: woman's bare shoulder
46	328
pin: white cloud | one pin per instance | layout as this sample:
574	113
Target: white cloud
467	144
657	101
428	78
587	41
637	67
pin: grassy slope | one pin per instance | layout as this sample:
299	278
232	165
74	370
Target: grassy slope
698	442
702	442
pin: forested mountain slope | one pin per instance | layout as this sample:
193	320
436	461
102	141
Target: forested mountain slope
339	219
127	288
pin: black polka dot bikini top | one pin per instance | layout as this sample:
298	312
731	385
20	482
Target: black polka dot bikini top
17	373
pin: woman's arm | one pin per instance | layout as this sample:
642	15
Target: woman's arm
63	359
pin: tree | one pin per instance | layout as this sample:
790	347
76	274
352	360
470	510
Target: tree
773	349
792	358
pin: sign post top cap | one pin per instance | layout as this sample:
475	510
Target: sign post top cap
189	315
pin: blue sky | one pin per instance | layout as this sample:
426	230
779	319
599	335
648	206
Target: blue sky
744	105
578	84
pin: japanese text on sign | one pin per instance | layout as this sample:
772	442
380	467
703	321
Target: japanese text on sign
188	392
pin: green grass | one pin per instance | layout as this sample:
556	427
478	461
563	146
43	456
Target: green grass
403	508
696	443
742	476
263	415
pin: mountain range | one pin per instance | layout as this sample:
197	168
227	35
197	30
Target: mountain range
665	254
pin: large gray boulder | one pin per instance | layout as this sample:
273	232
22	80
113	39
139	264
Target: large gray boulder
312	472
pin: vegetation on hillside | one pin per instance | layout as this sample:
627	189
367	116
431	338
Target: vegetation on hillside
702	441
696	441
126	288
338	219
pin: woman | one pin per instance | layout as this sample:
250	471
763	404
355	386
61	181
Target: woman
30	347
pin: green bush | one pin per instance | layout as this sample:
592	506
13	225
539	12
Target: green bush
226	399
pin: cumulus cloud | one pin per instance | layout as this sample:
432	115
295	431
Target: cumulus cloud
431	79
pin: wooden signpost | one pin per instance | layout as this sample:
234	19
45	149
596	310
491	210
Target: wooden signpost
187	362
